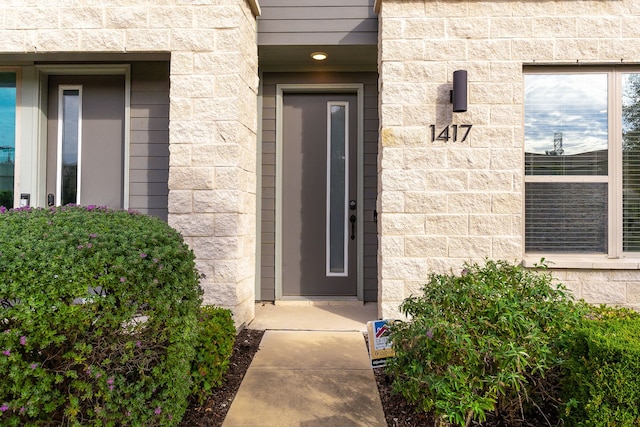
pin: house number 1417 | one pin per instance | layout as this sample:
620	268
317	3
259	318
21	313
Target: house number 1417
446	135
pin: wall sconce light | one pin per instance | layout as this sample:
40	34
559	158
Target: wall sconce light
458	96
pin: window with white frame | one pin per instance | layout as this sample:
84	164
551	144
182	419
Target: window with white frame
582	161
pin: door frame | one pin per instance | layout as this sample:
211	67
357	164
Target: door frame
351	88
43	73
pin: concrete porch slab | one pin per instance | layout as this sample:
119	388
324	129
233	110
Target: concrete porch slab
328	316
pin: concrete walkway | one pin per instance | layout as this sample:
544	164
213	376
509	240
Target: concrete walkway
309	378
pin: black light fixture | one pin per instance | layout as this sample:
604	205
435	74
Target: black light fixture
458	96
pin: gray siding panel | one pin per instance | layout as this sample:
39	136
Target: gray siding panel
332	12
149	151
317	26
370	81
311	3
305	22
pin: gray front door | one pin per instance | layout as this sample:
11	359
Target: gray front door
319	195
85	140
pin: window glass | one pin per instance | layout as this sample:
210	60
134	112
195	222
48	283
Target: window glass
566	163
337	208
566	217
70	144
7	137
566	124
631	162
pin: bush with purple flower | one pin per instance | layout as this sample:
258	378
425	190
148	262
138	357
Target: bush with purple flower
99	312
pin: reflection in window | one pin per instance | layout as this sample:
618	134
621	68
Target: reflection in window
337	146
631	162
7	137
566	124
70	145
566	162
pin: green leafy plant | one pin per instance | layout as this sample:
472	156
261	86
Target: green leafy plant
603	382
490	341
97	318
214	345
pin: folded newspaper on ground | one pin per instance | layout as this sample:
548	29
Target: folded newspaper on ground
379	343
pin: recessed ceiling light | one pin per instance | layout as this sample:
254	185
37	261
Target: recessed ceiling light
319	56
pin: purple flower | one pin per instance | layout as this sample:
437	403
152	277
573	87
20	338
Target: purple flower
122	280
89	245
23	340
33	366
156	260
4	407
23	410
138	344
7	353
430	333
3	209
143	255
98	375
111	387
80	247
110	381
93	235
158	411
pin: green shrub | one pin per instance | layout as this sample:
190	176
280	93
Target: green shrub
98	318
604	378
214	345
489	341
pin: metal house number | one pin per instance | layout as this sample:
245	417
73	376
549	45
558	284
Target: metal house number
452	133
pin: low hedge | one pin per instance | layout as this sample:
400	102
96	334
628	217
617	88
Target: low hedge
604	377
97	318
214	345
489	342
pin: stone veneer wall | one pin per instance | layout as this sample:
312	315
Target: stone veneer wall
441	204
213	108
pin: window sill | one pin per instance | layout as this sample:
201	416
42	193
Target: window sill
591	262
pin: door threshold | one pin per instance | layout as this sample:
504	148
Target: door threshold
319	301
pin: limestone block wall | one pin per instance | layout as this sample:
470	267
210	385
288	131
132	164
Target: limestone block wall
440	202
212	131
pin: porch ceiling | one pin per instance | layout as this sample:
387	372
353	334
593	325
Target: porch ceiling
298	58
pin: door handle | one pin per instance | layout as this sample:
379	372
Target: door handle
50	200
352	220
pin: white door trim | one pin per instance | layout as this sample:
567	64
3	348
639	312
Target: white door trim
353	88
43	72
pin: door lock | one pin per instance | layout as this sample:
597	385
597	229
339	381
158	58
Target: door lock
352	205
50	200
